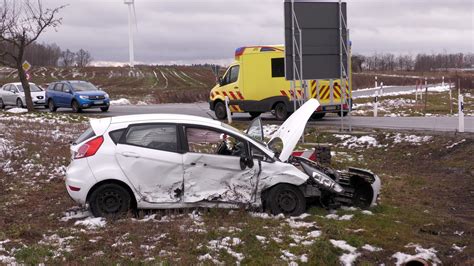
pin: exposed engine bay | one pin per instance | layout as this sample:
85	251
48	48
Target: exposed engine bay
335	188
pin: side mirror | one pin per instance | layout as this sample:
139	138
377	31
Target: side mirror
67	90
220	81
246	161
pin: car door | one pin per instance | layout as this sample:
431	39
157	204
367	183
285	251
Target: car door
149	156
55	94
230	81
212	170
66	95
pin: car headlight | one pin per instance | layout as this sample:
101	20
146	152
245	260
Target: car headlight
84	97
326	182
106	95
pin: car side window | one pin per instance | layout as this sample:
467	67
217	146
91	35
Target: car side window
65	88
58	87
209	141
234	74
153	136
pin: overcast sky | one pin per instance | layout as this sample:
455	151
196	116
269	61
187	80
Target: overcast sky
186	31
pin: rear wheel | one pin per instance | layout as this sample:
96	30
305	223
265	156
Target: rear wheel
344	113
220	111
2	105
286	199
254	114
75	107
109	200
51	106
281	112
318	116
104	109
19	103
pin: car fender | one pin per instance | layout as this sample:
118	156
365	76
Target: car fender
279	173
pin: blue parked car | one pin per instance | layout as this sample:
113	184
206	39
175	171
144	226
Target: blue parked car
77	95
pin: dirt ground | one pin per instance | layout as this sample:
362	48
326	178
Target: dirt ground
426	207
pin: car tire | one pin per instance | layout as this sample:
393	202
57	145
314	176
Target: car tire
19	103
110	200
286	199
254	114
104	109
220	111
318	116
51	106
75	107
281	112
2	104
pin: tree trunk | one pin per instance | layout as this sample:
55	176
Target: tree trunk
26	88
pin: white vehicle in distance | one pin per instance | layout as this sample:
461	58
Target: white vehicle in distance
12	94
160	161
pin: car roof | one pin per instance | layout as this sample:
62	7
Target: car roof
18	83
143	118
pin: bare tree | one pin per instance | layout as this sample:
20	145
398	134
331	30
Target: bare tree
21	23
83	58
67	58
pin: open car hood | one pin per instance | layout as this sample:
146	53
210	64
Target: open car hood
293	127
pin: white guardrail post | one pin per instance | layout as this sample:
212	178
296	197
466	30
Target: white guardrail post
376	102
461	113
229	115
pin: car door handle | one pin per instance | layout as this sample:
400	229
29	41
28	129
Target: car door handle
130	154
193	164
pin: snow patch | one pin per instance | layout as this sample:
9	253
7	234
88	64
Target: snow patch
455	144
421	253
345	217
371	248
346	258
92	223
121	101
17	110
413	139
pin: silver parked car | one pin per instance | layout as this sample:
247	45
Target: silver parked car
14	95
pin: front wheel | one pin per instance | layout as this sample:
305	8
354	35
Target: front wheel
75	107
51	106
220	111
2	105
286	199
109	200
318	116
104	109
281	112
19	103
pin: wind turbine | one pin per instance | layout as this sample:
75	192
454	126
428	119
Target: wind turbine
132	17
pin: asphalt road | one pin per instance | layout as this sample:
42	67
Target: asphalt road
202	109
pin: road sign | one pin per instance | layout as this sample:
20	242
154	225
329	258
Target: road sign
26	66
28	76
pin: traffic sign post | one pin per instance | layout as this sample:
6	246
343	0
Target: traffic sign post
461	113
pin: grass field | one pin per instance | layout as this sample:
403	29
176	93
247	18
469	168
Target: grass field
425	207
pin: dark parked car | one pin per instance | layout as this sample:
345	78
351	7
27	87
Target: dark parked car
77	95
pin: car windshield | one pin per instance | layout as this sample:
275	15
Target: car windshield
83	86
33	88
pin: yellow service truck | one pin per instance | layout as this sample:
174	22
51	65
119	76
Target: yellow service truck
255	83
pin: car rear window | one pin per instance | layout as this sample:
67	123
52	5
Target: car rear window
116	134
89	133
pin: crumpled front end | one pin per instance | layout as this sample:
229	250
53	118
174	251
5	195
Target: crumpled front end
352	187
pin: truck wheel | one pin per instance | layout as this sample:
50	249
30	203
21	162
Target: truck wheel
75	107
344	113
254	114
220	111
281	113
286	199
318	116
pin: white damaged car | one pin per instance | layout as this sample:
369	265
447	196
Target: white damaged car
160	161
